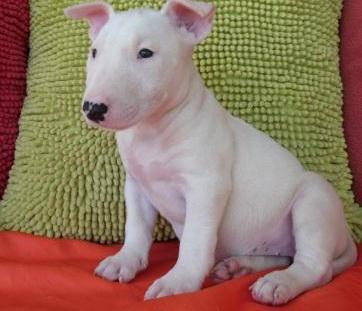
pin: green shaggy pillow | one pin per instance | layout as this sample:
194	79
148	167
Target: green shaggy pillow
273	63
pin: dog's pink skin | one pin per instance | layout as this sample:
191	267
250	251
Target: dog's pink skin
228	189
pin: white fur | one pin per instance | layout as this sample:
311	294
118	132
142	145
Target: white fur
228	189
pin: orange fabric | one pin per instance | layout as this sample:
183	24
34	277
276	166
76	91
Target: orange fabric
43	274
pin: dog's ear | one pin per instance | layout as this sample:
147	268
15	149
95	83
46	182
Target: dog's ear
194	17
97	14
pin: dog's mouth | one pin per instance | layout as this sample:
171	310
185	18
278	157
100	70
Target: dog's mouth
115	119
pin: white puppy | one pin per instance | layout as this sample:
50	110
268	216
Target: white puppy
232	194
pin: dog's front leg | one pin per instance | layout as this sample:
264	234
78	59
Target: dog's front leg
205	204
140	222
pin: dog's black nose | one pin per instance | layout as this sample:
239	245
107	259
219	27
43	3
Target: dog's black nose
95	112
86	106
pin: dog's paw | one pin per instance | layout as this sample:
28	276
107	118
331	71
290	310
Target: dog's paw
121	267
171	284
229	268
273	289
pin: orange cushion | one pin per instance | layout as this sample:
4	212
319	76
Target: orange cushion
43	274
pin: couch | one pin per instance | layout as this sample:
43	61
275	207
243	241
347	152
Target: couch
38	273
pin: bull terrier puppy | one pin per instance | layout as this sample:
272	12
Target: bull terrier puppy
237	200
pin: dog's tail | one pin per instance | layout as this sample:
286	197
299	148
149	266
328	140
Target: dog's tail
347	259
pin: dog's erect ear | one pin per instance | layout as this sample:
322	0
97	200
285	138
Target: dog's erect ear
97	14
193	16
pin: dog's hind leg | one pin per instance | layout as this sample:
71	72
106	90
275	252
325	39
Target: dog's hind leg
323	244
237	266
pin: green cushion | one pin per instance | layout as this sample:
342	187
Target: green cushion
273	63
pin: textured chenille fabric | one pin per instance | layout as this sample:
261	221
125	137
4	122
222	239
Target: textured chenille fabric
14	33
272	63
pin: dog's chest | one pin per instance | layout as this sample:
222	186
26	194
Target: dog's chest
157	177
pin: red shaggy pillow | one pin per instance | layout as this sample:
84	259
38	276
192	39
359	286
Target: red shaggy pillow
14	31
351	69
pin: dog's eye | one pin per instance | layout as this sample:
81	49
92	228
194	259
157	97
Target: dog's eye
145	53
94	53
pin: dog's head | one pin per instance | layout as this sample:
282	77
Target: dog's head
139	59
